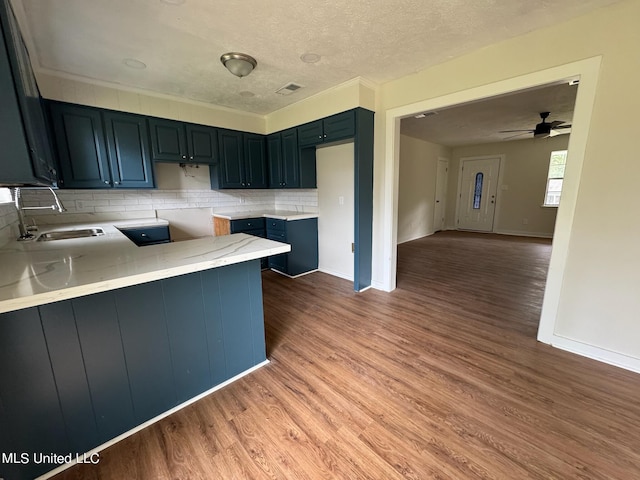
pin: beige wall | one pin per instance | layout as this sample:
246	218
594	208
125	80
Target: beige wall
523	183
417	186
596	289
156	105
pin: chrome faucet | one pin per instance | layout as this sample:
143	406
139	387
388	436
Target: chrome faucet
25	233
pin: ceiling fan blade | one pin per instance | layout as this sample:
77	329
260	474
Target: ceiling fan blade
561	126
517	135
555	123
511	131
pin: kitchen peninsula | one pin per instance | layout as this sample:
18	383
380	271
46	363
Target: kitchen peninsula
99	337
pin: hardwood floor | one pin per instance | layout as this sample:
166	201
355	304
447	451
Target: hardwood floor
442	378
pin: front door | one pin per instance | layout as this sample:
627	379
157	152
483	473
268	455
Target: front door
478	191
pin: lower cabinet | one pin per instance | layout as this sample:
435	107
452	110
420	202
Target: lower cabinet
77	373
250	226
302	235
144	236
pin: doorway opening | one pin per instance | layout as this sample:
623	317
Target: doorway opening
587	73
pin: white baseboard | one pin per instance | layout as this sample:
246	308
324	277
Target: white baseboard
519	233
414	237
335	274
293	276
596	353
150	422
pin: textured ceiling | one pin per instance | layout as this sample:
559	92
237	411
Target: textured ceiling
181	41
482	121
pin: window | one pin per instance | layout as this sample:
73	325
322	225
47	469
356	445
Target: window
555	177
5	195
477	191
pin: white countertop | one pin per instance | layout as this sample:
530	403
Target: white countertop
35	273
279	214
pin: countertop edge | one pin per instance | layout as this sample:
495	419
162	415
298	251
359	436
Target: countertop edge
76	291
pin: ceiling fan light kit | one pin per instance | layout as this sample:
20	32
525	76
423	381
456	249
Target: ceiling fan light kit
240	64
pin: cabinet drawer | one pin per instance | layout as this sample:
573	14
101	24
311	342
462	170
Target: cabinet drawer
274	224
148	235
277	236
258	232
242	225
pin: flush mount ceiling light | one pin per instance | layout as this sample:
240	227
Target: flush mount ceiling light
240	64
133	63
310	57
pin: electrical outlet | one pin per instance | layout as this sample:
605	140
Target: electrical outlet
340	200
79	206
525	221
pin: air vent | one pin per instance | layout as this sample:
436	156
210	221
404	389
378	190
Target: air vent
288	89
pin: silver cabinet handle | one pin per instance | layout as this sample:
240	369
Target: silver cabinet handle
143	234
106	183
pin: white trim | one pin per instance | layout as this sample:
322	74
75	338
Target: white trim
588	70
294	276
335	274
519	233
496	210
144	425
363	289
596	353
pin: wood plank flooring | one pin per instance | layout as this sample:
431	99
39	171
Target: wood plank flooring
442	378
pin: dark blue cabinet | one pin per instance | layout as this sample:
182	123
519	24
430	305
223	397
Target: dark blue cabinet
145	236
81	146
255	161
179	142
302	235
31	420
77	373
128	150
23	131
243	161
284	159
330	129
250	226
101	148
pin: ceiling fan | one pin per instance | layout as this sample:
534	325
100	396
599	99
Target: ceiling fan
543	129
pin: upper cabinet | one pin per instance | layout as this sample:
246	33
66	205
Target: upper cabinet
330	129
23	133
178	142
284	159
100	148
243	161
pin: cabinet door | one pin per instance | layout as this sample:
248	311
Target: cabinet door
339	127
274	159
290	159
310	134
231	159
255	171
37	166
30	415
202	143
308	174
128	148
81	146
168	141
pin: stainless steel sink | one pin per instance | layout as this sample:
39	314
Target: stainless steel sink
68	234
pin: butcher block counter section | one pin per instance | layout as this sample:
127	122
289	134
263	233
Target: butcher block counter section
34	273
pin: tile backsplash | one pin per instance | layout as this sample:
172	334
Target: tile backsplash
145	203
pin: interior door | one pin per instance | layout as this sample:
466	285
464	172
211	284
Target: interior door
442	174
478	191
